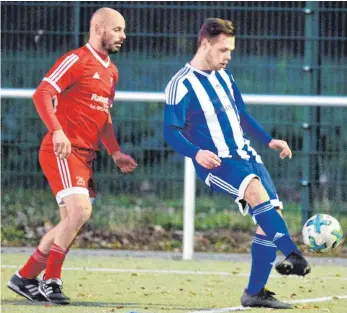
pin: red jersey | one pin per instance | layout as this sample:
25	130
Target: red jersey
83	87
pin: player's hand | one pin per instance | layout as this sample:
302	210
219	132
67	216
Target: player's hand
282	146
124	161
61	144
207	159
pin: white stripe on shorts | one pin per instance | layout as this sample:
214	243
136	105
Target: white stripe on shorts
64	173
223	185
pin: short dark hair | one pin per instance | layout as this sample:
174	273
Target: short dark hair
212	27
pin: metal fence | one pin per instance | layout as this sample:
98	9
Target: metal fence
281	48
275	40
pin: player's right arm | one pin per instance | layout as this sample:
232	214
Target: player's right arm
65	72
177	102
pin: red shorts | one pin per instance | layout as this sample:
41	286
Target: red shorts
73	175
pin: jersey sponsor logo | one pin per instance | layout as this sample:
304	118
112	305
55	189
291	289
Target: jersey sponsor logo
80	181
223	108
98	108
96	75
101	99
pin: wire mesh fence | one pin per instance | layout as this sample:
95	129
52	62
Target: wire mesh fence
281	48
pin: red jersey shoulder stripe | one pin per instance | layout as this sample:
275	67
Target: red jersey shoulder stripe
61	70
63	67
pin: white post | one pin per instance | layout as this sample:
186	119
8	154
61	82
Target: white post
189	209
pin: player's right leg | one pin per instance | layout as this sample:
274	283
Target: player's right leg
295	263
70	180
25	282
233	177
241	180
78	212
275	228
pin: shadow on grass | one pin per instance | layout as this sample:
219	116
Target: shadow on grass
116	305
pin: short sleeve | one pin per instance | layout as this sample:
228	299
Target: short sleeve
65	72
177	98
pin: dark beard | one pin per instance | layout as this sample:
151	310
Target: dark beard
107	48
110	51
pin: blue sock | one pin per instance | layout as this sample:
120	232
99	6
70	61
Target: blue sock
263	254
274	227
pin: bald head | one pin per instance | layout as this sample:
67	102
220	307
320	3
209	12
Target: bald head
104	16
107	30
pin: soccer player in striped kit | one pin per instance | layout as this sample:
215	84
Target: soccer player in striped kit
205	119
82	84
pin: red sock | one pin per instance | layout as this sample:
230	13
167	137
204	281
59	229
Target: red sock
35	264
55	262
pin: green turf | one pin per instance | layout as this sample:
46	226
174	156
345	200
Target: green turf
135	291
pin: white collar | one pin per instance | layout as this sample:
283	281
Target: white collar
97	56
199	71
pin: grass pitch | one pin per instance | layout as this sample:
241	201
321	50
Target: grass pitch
107	284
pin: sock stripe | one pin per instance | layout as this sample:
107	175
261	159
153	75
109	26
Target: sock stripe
55	262
263	255
263	210
274	227
258	209
57	249
34	266
264	242
40	253
262	205
40	259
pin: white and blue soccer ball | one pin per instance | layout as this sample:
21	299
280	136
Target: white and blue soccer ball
322	233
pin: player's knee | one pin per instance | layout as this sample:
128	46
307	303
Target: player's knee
85	213
80	215
255	193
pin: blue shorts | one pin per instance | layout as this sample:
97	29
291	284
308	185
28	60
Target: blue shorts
232	178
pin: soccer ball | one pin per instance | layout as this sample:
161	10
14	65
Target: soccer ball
322	233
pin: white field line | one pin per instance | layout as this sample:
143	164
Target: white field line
179	272
241	308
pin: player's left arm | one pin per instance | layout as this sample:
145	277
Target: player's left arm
124	161
252	127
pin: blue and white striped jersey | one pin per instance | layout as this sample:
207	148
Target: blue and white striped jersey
205	108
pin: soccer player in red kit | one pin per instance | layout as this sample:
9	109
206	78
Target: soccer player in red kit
82	86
